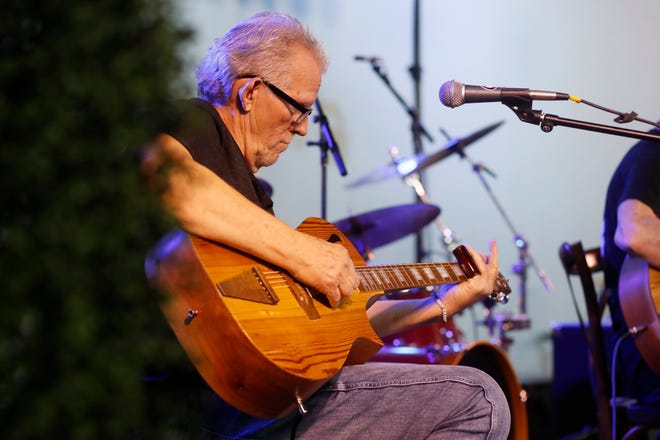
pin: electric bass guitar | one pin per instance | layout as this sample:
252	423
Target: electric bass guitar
260	339
639	295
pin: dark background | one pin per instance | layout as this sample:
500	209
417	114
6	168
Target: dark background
84	86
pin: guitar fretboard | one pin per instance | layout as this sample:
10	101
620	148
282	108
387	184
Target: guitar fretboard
407	276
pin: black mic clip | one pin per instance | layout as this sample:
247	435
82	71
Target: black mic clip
376	65
376	62
625	118
370	59
523	109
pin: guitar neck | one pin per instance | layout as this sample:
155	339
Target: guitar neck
408	276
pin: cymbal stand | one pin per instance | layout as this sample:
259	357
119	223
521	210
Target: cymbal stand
507	322
417	128
449	239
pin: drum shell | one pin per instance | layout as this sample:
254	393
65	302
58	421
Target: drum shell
435	334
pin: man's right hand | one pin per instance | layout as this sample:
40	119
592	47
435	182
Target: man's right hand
323	266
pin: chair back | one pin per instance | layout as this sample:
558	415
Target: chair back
581	263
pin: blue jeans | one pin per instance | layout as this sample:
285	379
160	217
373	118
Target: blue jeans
388	401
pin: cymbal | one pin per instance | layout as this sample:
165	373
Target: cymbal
403	167
376	228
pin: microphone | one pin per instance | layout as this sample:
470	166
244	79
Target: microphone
367	59
453	93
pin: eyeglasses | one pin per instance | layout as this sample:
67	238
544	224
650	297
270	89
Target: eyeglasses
304	111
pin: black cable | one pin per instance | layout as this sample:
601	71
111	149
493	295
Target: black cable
613	381
622	117
632	331
294	426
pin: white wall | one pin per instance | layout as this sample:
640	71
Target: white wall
551	186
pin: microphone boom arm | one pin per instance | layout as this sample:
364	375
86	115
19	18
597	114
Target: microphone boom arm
412	112
523	109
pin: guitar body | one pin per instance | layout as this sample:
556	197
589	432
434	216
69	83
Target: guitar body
639	294
263	350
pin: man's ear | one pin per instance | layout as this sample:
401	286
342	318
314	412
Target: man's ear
246	94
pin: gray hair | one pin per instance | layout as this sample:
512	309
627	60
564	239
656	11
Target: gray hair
258	46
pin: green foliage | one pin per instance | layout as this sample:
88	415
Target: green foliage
84	85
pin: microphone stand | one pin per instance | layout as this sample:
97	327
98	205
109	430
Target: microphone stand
326	142
416	73
523	109
449	238
417	128
525	260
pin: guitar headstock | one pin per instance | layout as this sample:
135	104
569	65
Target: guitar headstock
501	289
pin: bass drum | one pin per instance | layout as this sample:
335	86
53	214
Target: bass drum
436	334
487	357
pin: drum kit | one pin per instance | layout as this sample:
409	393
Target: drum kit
435	343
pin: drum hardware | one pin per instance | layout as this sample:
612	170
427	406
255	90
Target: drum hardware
407	166
515	395
409	169
449	238
416	127
520	320
503	323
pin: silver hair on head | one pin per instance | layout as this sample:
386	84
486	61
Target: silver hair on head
258	46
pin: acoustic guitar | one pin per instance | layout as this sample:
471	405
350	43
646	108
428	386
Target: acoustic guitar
639	294
261	340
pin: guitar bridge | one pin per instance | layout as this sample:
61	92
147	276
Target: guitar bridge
303	297
249	286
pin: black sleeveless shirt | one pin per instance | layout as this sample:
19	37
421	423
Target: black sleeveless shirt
209	142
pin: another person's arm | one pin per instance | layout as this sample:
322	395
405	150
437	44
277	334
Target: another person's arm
638	231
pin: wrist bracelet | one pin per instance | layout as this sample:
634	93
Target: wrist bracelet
440	304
